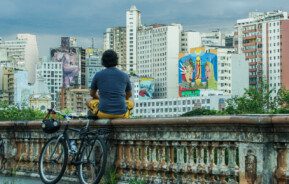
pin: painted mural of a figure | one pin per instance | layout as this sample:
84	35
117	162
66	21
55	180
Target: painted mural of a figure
210	75
187	74
198	71
70	66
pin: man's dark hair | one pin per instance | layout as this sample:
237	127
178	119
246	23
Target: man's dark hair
109	59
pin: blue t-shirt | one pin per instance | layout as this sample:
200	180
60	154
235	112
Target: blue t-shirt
112	85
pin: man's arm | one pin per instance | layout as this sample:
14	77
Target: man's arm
128	94
93	94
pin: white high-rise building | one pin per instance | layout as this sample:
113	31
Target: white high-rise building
263	37
92	65
190	39
157	51
24	53
232	72
133	23
21	89
174	107
52	73
115	39
214	38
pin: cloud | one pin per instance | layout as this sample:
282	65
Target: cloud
90	18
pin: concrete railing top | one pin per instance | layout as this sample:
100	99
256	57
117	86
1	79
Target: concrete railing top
204	120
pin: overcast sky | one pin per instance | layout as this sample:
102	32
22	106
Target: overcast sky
51	19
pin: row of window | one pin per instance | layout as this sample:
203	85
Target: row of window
181	102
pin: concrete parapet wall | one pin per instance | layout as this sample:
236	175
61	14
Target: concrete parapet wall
225	149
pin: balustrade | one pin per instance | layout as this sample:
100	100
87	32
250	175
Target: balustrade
215	149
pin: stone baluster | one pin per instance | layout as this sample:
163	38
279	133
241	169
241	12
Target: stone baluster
222	164
282	160
25	151
131	157
183	161
144	157
163	165
156	161
31	150
190	162
200	163
120	164
172	161
211	160
232	165
127	158
137	157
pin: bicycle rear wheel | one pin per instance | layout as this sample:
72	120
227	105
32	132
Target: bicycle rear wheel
53	160
93	161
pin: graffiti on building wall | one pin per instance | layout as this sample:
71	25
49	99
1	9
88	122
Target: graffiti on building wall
197	70
146	88
70	59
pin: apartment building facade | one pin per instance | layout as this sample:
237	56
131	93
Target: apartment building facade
157	56
263	37
115	39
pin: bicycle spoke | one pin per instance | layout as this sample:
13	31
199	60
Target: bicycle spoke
93	163
53	160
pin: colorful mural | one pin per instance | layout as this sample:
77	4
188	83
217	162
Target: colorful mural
146	88
197	70
70	59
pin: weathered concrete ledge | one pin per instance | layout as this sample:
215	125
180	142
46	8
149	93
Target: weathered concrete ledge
225	149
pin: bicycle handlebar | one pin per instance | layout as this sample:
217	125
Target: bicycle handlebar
68	117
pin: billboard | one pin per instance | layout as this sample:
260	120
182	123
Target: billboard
198	70
146	88
70	59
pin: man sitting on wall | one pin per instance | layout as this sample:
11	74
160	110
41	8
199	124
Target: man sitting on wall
110	90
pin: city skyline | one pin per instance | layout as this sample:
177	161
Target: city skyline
86	19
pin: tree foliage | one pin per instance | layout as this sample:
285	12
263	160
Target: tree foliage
254	101
13	113
201	111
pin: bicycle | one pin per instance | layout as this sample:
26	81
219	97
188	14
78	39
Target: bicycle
90	157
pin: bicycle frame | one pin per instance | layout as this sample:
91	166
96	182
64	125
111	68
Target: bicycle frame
64	136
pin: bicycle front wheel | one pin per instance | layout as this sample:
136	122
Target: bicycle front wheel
93	161
53	160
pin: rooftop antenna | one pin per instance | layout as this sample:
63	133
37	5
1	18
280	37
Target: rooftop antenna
92	42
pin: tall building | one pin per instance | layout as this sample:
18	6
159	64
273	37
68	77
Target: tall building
24	53
229	41
263	37
52	73
21	89
133	23
76	100
7	84
92	65
157	56
233	72
190	39
115	39
214	38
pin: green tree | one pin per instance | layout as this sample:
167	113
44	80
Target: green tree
283	96
200	111
13	113
254	101
283	101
